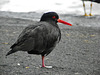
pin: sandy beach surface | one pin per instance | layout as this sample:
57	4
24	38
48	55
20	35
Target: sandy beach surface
78	52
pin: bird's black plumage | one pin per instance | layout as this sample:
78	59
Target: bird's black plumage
97	1
39	38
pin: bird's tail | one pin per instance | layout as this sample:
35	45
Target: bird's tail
10	52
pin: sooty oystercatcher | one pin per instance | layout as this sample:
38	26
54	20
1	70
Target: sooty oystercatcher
41	37
97	1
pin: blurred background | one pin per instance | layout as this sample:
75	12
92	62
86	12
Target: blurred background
60	6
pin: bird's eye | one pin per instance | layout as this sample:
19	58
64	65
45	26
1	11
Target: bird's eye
53	17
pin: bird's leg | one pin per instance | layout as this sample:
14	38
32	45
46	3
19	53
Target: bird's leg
85	14
90	9
43	65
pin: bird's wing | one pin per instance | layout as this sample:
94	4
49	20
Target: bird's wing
28	37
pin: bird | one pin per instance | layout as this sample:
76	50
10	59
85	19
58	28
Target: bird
41	37
97	1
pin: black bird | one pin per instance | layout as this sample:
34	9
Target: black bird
97	1
41	37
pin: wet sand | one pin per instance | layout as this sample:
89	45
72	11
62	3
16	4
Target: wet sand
78	52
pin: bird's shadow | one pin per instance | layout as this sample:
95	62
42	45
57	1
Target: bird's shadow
56	68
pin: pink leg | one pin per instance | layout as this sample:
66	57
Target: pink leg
43	65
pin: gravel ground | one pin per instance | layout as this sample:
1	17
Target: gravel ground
78	52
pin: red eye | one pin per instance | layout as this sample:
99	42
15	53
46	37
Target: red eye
54	17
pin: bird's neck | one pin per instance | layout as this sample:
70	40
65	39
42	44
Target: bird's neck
52	23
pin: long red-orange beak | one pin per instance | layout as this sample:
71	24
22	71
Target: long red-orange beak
61	21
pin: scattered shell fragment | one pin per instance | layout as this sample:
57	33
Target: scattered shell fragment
67	34
77	73
92	35
26	67
5	43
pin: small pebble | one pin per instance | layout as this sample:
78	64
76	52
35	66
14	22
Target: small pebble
18	64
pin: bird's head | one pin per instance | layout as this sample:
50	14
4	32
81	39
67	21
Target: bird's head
53	16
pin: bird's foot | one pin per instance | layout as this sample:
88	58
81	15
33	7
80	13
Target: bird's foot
86	14
90	14
46	66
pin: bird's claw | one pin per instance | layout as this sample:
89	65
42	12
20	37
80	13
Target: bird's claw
86	14
90	14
